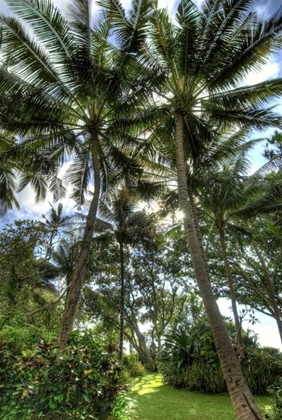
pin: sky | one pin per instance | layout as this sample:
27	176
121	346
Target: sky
266	328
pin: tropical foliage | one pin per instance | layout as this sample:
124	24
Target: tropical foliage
40	382
139	103
189	360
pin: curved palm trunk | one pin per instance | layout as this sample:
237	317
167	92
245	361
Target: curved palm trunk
79	272
231	289
243	403
121	302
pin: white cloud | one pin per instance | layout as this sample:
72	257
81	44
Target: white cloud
29	210
169	4
268	71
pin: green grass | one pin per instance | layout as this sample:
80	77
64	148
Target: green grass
156	401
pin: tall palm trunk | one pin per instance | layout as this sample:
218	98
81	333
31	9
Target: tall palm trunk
121	302
231	289
77	280
243	403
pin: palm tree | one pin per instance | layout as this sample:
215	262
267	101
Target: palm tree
227	194
205	56
128	227
72	91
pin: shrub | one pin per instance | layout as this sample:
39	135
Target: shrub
261	366
21	336
40	382
275	390
133	366
130	358
201	376
124	407
136	369
196	366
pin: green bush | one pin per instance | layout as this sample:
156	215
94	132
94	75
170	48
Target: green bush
261	366
133	366
200	376
40	382
275	390
124	407
196	366
21	336
136	369
128	359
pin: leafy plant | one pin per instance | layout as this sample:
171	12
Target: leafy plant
40	381
124	407
195	365
133	366
275	390
182	346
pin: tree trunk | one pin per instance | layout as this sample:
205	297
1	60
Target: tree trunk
121	302
79	272
239	342
144	351
141	346
271	293
243	403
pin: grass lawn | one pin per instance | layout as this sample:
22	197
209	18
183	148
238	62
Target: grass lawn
156	401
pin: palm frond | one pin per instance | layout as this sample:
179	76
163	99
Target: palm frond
78	176
79	19
8	189
37	182
187	17
29	59
49	26
256	95
130	27
251	46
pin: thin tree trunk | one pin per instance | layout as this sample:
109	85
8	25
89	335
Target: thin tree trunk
271	293
121	302
239	342
243	403
79	272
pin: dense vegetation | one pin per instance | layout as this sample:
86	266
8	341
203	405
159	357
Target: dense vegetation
39	382
139	109
189	360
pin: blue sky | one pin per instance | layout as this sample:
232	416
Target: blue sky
29	210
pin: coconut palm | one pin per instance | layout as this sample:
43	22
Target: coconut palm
70	92
205	55
128	226
230	197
